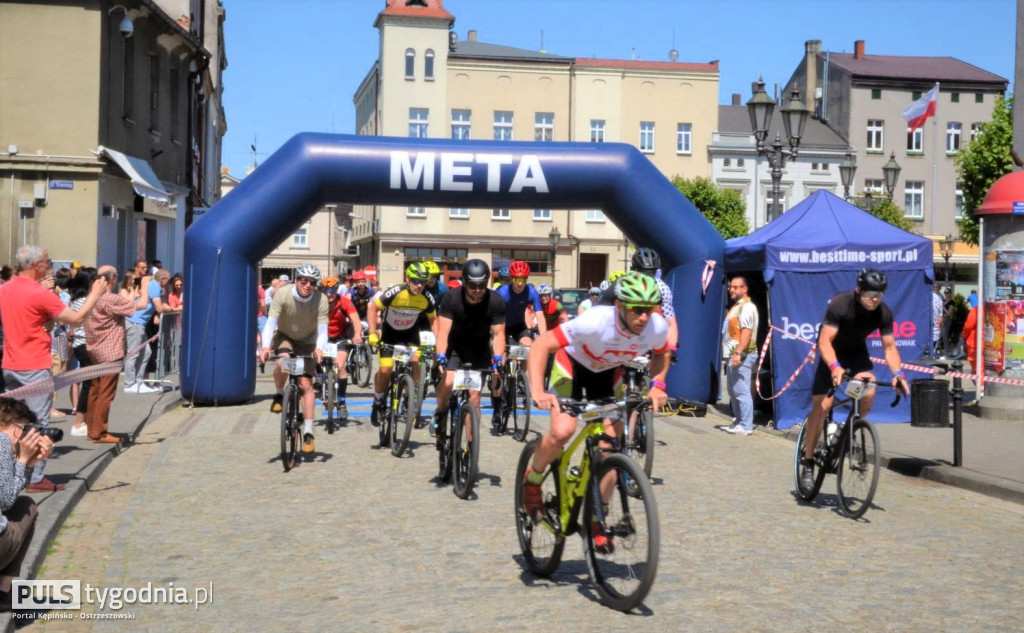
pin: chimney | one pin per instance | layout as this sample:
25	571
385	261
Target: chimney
471	35
737	99
858	49
811	50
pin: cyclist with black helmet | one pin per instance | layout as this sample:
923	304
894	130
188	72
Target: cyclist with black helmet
396	312
470	329
597	342
298	322
842	347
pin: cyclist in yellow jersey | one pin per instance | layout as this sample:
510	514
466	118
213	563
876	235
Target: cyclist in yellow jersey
396	313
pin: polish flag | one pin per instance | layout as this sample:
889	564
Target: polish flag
920	110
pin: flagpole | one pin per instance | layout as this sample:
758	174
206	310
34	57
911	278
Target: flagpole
935	157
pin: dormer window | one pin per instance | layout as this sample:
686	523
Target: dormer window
416	3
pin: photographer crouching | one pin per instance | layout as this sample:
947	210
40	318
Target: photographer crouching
21	446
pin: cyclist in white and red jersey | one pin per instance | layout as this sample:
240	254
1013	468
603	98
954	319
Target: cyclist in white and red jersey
597	342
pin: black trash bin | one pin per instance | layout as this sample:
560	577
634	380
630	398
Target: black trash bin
929	403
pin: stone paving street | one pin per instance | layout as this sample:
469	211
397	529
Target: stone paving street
357	540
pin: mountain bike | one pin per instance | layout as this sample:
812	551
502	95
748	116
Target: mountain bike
458	451
572	482
291	405
637	440
360	364
325	383
428	369
849	450
515	402
399	399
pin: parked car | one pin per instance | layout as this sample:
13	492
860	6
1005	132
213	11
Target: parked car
571	299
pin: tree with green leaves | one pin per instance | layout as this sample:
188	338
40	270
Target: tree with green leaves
983	161
723	208
891	212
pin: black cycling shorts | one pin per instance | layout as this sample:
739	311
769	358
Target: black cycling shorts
823	375
596	385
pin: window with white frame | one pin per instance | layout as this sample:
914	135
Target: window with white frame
416	212
461	120
958	202
410	63
502	125
915	140
461	214
418	122
300	238
593	215
501	214
428	65
876	135
542	215
597	130
726	163
914	199
975	130
684	138
544	126
647	136
953	135
820	168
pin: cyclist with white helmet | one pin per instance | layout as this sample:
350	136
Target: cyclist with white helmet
551	308
593	297
597	342
298	322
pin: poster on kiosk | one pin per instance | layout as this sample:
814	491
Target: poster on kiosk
813	252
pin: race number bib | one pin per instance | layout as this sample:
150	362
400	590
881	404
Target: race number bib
518	352
427	338
293	366
468	379
402	353
330	350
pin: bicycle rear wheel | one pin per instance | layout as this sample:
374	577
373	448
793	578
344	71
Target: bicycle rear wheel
445	435
622	568
403	414
859	463
819	472
384	416
289	426
465	462
542	543
329	397
521	405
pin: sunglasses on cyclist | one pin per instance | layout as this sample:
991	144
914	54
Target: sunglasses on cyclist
479	286
303	280
638	310
519	280
871	294
418	282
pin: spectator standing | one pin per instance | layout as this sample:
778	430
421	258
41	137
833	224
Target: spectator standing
79	290
60	348
936	321
105	341
970	334
27	307
17	524
739	349
176	290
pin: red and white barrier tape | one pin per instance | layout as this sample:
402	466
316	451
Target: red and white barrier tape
51	384
792	379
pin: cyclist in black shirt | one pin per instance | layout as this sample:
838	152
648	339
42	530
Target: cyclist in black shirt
842	347
469	319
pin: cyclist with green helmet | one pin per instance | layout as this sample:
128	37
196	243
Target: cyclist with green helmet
396	313
597	342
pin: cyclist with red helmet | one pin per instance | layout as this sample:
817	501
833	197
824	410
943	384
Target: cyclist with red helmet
361	294
521	299
342	322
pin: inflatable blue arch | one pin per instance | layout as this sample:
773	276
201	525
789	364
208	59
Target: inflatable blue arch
224	247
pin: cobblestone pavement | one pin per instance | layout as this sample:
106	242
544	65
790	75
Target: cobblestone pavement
357	540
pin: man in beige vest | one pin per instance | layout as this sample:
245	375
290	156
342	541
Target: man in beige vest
739	349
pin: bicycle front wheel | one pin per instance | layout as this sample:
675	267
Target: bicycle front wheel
465	462
403	414
623	539
808	494
859	463
289	426
363	366
521	407
541	543
639	443
445	438
330	397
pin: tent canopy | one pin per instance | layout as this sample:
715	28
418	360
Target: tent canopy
825	233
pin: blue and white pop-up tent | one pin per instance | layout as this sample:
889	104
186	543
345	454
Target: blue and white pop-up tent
813	252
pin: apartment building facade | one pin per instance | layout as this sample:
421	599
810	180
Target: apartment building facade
427	82
111	126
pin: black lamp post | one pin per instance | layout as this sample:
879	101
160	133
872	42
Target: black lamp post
794	117
891	173
554	236
946	248
847	170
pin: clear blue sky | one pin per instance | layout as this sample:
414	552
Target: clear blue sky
293	66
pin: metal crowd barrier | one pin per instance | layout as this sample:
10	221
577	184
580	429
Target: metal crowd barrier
168	346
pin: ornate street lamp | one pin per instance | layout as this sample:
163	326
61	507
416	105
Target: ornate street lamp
891	173
794	116
554	236
946	248
847	170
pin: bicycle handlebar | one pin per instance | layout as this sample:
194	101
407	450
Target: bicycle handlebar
847	378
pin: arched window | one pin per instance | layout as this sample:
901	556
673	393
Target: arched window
410	63
428	65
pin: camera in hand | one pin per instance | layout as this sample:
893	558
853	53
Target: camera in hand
53	433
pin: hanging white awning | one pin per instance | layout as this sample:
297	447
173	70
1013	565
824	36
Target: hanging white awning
144	180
